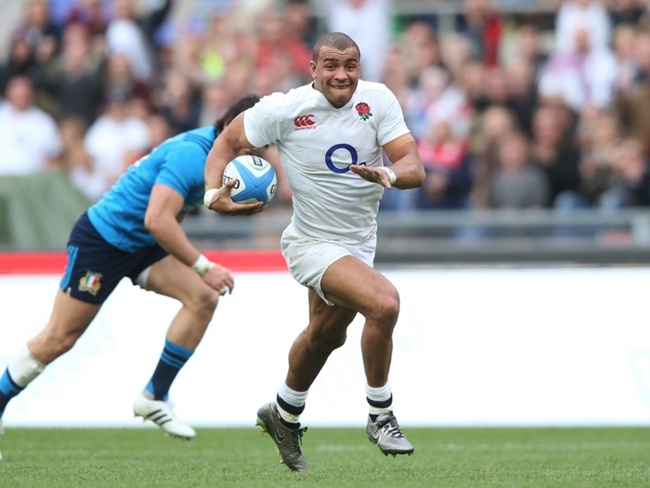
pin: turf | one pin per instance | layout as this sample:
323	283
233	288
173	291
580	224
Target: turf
542	457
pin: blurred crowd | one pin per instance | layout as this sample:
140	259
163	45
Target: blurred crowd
542	109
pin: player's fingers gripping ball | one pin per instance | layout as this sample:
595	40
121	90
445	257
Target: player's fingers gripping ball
256	179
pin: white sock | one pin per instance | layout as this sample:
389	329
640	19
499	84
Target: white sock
293	398
381	394
24	367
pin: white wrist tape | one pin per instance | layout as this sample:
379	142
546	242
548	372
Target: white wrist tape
211	196
391	174
202	265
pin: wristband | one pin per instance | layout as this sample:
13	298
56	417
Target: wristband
202	265
211	196
391	174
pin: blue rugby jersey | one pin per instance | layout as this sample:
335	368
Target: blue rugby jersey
178	163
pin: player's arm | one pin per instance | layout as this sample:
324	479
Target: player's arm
407	170
162	222
230	143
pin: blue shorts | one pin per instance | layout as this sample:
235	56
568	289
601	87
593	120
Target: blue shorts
95	267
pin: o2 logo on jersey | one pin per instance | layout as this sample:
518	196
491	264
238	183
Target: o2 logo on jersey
354	158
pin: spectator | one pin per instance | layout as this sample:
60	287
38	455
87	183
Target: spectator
204	57
627	12
633	104
214	102
373	34
28	135
75	160
119	78
90	14
420	49
112	139
437	99
554	150
528	39
623	46
522	97
494	89
178	103
445	158
601	134
631	187
276	43
470	81
456	54
489	131
588	15
585	75
73	82
20	62
517	183
301	22
396	77
38	29
133	36
481	23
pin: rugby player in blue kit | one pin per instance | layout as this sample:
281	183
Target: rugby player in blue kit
134	231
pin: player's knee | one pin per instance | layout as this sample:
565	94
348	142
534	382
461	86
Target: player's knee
58	346
205	301
385	308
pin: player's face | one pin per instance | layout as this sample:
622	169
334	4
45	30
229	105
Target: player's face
336	74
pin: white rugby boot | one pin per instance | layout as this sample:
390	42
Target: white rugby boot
162	414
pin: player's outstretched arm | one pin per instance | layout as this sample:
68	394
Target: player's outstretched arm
407	170
230	143
161	221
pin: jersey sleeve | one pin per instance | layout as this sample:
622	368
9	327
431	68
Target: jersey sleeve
392	124
261	122
183	169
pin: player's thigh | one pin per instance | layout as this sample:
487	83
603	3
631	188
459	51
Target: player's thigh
328	320
172	278
350	283
69	319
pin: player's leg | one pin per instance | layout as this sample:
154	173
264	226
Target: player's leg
351	283
280	419
326	331
171	278
68	321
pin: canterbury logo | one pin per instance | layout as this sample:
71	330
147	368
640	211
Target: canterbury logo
304	122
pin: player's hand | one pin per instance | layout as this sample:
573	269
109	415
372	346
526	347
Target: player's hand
220	279
372	174
223	203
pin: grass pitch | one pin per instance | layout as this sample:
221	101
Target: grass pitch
542	457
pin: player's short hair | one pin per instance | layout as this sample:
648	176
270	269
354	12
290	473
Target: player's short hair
335	40
235	109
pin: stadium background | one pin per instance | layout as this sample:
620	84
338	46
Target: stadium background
512	316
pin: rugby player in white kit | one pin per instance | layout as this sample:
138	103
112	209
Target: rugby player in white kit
330	135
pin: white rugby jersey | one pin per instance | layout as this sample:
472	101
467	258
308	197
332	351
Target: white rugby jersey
318	143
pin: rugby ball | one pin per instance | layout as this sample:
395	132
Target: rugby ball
256	179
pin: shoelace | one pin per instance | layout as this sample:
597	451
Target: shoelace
300	433
389	425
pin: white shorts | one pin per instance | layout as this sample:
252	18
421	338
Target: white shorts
308	258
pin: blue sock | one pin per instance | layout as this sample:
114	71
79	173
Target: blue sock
8	390
172	359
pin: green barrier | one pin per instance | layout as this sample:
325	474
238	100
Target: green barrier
38	211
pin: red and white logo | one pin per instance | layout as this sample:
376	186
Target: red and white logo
303	122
